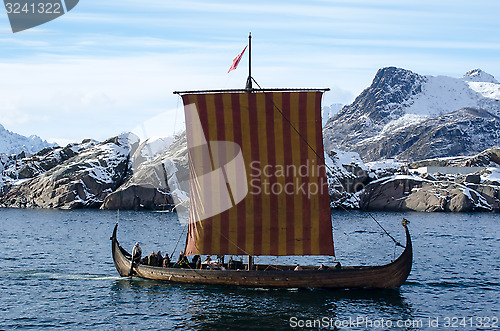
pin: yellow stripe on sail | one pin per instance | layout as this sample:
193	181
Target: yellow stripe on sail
232	236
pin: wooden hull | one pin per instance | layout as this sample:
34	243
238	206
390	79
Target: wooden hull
391	275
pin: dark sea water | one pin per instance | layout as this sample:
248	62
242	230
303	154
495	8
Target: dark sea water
56	271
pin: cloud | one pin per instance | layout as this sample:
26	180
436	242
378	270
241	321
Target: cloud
165	124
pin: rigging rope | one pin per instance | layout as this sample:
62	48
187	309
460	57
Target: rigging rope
182	233
321	158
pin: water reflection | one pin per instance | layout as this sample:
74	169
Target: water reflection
201	307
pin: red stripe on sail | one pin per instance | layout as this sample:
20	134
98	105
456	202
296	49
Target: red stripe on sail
287	149
207	223
257	219
241	207
221	136
304	157
274	206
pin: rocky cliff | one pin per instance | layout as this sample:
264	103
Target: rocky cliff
154	178
412	117
413	193
85	175
405	189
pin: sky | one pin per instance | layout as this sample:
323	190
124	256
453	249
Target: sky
108	67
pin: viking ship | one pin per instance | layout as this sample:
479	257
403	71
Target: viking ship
258	187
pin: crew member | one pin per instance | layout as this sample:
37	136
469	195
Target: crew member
136	253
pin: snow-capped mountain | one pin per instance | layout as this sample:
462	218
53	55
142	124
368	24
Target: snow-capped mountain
464	132
79	176
477	75
13	143
329	111
392	117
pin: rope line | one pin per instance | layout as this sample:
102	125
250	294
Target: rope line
178	240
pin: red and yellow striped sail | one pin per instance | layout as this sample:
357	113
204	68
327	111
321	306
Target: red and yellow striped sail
256	187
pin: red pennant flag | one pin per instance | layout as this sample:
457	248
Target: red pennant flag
237	59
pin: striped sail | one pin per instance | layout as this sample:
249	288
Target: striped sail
256	187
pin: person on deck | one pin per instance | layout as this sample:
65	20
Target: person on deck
198	263
153	260
195	260
220	258
297	268
182	258
160	259
182	262
136	253
166	261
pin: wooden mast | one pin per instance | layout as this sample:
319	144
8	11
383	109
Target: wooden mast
249	79
249	89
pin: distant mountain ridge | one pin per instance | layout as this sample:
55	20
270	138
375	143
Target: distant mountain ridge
409	116
14	143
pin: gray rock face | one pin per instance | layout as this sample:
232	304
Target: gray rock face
152	179
145	189
24	165
347	176
372	109
49	158
405	193
411	117
83	180
464	132
487	158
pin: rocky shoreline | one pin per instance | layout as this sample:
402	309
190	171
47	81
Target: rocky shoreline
413	189
122	173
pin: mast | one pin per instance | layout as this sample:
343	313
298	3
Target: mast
249	89
249	79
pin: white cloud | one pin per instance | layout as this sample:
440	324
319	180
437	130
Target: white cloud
165	124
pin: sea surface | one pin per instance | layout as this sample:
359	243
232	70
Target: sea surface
56	272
